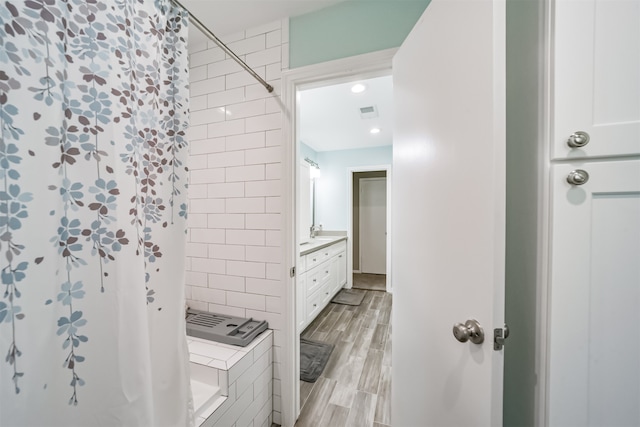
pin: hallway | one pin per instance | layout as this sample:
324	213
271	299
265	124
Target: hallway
372	282
355	387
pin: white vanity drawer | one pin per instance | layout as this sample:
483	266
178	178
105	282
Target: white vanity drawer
314	304
336	248
318	276
327	293
315	258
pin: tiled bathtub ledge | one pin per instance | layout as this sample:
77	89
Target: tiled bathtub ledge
231	383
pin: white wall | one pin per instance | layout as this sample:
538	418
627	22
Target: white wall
332	194
234	248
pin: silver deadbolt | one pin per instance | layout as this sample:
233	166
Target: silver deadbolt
578	139
470	331
578	177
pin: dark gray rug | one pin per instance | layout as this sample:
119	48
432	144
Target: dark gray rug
348	297
313	358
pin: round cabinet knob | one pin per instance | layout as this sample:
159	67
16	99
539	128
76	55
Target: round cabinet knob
578	177
578	139
470	331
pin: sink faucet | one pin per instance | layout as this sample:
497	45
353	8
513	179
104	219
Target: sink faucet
313	230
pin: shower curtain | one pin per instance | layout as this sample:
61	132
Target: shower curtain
93	112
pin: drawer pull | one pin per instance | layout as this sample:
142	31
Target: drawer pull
315	280
315	305
339	256
578	139
326	272
326	253
578	177
314	260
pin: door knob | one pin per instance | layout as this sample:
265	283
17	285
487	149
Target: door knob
470	331
578	177
578	139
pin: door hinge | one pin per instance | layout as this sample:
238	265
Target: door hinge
499	337
292	272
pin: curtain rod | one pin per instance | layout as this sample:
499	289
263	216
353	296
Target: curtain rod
207	32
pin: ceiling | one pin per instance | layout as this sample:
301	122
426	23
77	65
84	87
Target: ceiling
330	117
225	17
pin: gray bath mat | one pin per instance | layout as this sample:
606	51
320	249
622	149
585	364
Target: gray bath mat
348	297
313	358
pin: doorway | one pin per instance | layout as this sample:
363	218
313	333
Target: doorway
373	225
348	70
370	219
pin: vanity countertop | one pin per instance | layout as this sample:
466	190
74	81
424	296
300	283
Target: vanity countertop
319	242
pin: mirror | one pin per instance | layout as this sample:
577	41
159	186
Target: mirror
309	172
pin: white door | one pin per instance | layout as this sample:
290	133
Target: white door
449	215
373	225
594	366
596	77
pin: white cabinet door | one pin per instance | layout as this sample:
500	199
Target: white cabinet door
594	360
596	81
342	269
448	215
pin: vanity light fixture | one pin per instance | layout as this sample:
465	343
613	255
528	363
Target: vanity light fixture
315	168
358	88
375	130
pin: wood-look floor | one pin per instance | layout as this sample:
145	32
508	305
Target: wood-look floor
355	387
372	282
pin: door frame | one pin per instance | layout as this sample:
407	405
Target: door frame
367	65
350	173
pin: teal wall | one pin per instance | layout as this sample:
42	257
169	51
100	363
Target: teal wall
523	166
332	187
351	28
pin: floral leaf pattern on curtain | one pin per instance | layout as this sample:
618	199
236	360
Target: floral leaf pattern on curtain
93	113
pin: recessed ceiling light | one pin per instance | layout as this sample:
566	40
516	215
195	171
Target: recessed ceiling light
358	88
375	130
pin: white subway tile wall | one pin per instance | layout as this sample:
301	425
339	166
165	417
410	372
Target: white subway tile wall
244	376
235	197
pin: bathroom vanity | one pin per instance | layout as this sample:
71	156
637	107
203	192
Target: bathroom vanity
322	272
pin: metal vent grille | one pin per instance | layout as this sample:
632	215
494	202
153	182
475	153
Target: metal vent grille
370	112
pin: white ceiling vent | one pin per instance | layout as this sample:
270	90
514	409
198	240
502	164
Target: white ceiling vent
370	112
